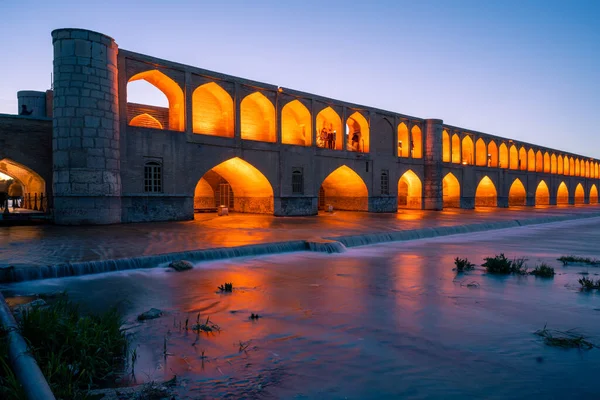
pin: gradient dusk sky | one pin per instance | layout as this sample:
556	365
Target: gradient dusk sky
529	70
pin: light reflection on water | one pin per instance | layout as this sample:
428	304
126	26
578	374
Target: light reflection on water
383	321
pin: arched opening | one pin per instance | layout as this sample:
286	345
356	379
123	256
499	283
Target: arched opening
517	196
514	157
522	159
553	164
329	129
212	111
446	156
20	182
146	121
562	194
456	149
542	194
296	125
486	195
531	160
582	168
344	189
481	158
539	161
579	194
172	116
546	162
257	118
596	172
358	133
593	194
587	169
467	151
503	156
577	169
451	191
492	154
236	184
416	142
571	166
409	191
403	140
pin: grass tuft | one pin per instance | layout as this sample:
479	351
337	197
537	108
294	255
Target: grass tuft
568	339
500	265
226	287
566	260
463	264
589	284
207	327
543	271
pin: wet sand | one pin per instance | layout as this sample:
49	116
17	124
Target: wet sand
383	321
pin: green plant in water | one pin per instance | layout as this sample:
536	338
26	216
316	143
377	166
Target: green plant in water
463	264
226	287
497	265
589	284
207	327
543	271
568	339
566	260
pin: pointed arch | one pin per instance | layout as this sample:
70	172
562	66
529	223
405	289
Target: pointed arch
212	111
204	195
523	159
562	194
456	158
571	166
587	169
32	183
593	194
514	157
596	170
546	163
403	141
542	194
416	142
467	151
579	194
553	164
296	126
257	118
173	92
446	155
451	191
539	161
344	189
582	168
486	194
329	123
358	135
517	196
492	154
577	168
410	190
480	153
503	161
531	160
145	120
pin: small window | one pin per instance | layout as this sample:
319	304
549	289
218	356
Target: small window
385	182
297	181
153	177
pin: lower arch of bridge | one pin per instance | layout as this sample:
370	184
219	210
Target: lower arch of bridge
26	181
410	191
486	194
562	194
579	194
517	196
593	194
236	184
450	191
542	194
344	189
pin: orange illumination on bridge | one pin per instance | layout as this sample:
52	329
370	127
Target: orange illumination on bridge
410	191
579	194
546	162
146	121
446	156
514	157
417	142
345	190
503	162
296	127
553	164
517	196
212	111
542	194
522	159
467	151
358	134
539	161
530	160
481	153
493	154
486	194
257	115
329	122
456	149
32	183
451	191
593	194
562	194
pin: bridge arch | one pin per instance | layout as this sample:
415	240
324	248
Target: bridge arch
587	169
579	194
344	189
486	194
514	157
562	194
539	161
542	194
358	133
577	168
503	161
236	184
492	151
456	150
450	191
531	160
173	93
257	116
517	195
571	166
467	151
522	159
593	194
329	122
212	111
446	156
146	120
28	183
410	190
547	165
553	164
416	141
296	126
403	140
480	153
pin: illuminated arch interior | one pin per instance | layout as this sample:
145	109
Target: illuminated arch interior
493	154
145	120
503	162
328	121
250	189
571	166
531	160
539	161
467	150
486	195
403	140
522	159
553	164
456	159
344	189
562	194
296	124
416	142
579	194
542	194
31	184
514	157
409	191
446	156
451	191
517	196
212	111
561	164
587	169
480	153
577	169
358	133
593	194
172	91
547	165
257	118
204	195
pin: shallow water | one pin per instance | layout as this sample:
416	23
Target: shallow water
382	321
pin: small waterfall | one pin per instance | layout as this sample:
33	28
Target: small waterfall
325	246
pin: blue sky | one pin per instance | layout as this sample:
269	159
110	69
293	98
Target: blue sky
528	70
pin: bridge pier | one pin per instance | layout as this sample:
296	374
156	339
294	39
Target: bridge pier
432	190
467	203
530	201
553	199
502	202
383	204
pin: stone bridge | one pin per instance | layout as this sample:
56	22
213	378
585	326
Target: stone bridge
261	148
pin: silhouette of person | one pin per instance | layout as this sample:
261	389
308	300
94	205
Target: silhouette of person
24	110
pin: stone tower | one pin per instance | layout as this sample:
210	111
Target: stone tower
433	191
85	134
